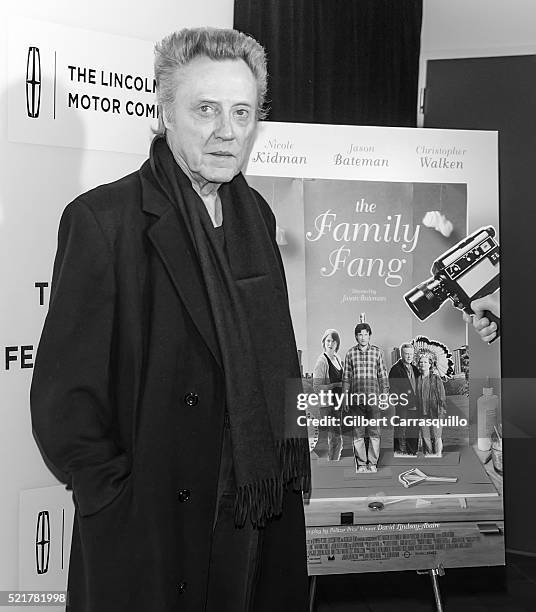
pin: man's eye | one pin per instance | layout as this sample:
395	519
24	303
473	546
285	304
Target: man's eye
206	109
242	113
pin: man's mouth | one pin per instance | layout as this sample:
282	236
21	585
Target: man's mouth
221	153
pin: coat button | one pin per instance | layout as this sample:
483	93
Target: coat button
191	399
181	587
184	495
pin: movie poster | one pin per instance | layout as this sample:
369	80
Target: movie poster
358	244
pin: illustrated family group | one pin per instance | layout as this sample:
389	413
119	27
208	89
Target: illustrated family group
360	379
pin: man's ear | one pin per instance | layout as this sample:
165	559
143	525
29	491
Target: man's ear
165	120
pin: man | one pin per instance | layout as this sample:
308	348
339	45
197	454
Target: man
365	378
403	382
159	385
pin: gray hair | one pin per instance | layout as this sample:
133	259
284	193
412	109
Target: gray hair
406	345
179	48
430	355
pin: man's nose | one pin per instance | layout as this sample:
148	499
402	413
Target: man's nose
224	127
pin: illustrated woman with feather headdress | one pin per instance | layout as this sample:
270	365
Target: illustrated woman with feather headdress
431	398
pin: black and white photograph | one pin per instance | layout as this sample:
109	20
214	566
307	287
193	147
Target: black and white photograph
265	342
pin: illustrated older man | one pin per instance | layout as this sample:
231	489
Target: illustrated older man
403	383
159	385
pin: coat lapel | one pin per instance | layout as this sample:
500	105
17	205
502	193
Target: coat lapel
172	243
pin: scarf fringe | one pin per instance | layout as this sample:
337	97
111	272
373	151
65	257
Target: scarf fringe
260	500
263	500
295	462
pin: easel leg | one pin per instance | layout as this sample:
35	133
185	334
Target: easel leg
434	573
312	593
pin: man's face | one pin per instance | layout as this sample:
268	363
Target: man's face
407	355
212	123
363	337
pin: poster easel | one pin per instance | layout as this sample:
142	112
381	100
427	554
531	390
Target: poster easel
450	532
323	182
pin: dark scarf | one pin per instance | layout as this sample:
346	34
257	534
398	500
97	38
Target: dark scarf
249	303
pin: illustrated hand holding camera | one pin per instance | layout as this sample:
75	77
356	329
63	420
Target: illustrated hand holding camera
486	329
467	269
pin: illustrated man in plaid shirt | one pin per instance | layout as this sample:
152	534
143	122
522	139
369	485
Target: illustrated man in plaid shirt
365	376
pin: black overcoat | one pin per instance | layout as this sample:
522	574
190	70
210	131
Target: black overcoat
127	407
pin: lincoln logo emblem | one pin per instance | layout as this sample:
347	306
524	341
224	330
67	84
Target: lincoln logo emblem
42	542
33	82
